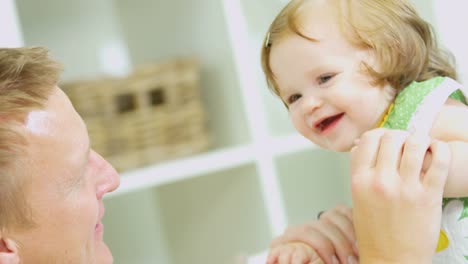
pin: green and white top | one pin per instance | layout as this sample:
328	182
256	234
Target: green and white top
415	109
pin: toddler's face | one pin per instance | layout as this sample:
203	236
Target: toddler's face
331	100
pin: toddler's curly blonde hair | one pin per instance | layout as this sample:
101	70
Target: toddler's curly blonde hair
404	44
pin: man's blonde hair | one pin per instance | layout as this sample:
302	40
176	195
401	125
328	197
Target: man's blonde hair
27	78
404	44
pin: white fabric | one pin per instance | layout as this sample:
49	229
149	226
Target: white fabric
426	112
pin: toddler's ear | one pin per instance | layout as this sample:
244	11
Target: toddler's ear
8	251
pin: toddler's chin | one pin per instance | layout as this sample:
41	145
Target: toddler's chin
347	148
338	146
344	149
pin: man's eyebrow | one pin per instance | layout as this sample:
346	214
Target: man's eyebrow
86	157
88	152
70	184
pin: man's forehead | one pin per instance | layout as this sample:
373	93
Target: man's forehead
58	142
57	126
38	122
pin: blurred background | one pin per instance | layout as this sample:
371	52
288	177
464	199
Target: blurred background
173	95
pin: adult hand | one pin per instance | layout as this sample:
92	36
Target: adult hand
327	240
397	204
293	253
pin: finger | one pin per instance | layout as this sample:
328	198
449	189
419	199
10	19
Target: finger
285	254
273	256
345	210
427	161
278	241
335	260
436	175
300	255
353	260
343	223
317	241
364	156
343	247
311	253
414	151
391	146
317	261
348	213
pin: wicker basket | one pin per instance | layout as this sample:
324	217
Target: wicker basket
152	115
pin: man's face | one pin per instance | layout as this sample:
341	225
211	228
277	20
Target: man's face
67	183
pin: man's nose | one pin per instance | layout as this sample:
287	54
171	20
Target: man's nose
109	178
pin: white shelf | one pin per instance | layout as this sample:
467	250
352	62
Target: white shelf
258	185
199	165
288	144
179	208
182	169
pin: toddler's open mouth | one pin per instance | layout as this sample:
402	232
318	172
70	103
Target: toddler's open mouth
329	122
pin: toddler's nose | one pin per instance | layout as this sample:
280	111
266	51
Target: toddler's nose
310	104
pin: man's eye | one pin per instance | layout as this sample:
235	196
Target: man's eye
293	98
325	78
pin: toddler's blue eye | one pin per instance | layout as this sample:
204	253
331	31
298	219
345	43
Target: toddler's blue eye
325	78
293	98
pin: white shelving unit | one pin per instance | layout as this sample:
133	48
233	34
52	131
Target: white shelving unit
206	163
228	203
260	176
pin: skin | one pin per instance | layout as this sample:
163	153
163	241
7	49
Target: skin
67	183
394	185
391	188
332	236
318	79
324	77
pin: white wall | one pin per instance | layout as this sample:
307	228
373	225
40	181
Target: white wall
157	222
313	181
451	21
79	33
215	218
10	31
157	30
134	223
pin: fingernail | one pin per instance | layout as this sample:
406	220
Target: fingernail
335	260
352	260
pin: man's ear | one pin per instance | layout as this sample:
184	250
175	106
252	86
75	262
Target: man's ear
8	251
